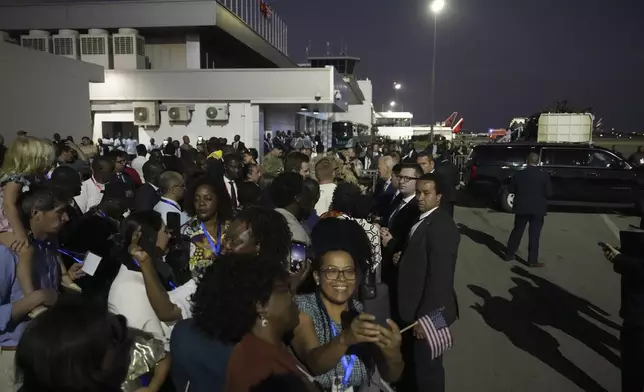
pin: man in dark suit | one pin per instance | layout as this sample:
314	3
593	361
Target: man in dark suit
531	188
147	196
238	145
426	283
448	176
394	236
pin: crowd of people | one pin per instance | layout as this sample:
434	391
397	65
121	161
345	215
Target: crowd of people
127	267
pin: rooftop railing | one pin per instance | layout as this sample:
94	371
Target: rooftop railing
260	17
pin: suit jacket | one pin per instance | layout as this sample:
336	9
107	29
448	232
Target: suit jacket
382	197
426	271
401	224
146	198
240	146
531	188
449	176
172	163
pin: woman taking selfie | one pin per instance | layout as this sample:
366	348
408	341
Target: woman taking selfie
339	344
210	206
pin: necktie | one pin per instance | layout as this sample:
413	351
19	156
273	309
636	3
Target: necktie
121	178
233	194
396	211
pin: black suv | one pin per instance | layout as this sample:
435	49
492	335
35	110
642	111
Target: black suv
582	174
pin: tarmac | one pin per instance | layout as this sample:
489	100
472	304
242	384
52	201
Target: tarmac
537	329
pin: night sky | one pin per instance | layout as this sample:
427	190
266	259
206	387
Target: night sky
496	59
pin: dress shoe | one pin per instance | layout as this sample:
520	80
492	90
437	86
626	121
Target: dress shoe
536	265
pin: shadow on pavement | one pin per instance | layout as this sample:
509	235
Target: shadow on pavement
482	238
546	304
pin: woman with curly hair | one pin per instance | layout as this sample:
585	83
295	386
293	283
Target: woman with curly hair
348	202
245	300
209	204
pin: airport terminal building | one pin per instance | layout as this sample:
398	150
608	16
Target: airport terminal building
171	68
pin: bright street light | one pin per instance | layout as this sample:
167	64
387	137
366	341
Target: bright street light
397	86
392	104
437	6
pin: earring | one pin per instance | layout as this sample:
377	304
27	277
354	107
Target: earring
264	322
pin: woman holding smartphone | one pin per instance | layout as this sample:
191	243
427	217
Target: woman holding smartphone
339	344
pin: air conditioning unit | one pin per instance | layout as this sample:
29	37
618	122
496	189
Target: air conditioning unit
178	113
96	48
67	43
129	49
37	40
146	114
218	112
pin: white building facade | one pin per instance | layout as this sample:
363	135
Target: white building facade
188	58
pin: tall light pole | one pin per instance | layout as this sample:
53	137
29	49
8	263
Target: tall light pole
436	7
397	86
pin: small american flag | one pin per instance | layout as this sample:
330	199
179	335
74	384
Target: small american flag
437	333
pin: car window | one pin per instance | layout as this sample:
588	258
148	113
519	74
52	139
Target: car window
501	156
564	157
603	159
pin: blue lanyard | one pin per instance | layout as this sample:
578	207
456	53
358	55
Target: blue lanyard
347	364
171	203
172	286
73	255
215	248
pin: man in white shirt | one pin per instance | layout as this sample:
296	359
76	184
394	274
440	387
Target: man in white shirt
92	189
232	174
153	146
324	173
172	186
139	161
130	144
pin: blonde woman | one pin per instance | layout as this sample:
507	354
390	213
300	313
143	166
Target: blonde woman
28	160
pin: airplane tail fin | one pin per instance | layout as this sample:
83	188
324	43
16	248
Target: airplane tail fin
450	120
458	126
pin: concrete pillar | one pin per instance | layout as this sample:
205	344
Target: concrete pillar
193	51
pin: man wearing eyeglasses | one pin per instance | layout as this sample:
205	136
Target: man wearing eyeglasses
404	216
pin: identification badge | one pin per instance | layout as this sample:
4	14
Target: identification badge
338	387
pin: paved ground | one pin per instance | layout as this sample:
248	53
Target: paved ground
550	329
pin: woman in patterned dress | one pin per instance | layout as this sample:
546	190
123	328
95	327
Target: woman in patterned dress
209	205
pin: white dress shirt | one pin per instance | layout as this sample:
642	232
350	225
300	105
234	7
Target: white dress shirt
127	296
130	146
298	232
137	164
421	218
166	205
91	194
326	196
228	185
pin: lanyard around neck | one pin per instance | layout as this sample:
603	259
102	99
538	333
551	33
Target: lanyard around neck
216	248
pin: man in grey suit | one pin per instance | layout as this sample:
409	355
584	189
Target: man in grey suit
531	188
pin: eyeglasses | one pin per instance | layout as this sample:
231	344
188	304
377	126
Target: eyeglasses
334	273
406	179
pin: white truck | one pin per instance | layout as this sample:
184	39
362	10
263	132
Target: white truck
565	127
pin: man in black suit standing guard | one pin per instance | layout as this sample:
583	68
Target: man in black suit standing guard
238	145
531	188
426	283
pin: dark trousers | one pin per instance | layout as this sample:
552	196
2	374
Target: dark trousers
421	373
632	349
430	373
534	233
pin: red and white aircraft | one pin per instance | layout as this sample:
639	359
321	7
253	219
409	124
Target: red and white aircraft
456	128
